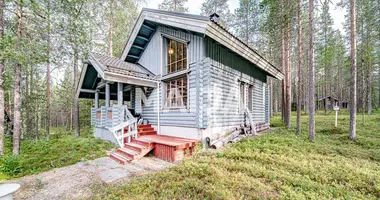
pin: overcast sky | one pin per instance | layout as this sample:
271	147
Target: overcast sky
195	8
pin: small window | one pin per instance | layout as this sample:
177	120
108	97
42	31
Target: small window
176	56
176	93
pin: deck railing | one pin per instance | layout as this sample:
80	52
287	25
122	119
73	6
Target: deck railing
118	120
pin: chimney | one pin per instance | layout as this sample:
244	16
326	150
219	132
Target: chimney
214	17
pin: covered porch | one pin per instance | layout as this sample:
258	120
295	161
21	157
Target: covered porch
119	90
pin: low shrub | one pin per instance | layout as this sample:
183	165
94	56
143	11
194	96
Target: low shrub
10	165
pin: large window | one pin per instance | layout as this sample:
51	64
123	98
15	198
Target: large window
176	56
176	87
176	93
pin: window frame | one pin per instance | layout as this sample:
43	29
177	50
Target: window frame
167	77
165	54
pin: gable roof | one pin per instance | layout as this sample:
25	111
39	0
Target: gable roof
149	19
116	65
111	69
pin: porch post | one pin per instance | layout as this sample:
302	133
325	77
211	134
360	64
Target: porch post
158	108
119	94
107	95
96	99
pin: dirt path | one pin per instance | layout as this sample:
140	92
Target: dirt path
76	181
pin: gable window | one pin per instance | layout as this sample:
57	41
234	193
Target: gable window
176	56
176	83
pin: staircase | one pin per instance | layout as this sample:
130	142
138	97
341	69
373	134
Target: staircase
136	149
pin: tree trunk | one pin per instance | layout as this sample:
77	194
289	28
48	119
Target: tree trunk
369	88
378	105
299	44
311	73
17	88
48	77
283	82
340	92
76	100
32	103
352	135
288	76
363	95
1	82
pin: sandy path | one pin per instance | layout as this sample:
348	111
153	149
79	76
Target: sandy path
76	181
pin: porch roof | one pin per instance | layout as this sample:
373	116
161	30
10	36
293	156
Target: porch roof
101	68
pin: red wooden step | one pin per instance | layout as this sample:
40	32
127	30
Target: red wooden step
143	143
127	152
144	126
145	129
147	133
135	146
119	158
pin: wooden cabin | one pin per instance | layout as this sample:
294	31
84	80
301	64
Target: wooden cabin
185	76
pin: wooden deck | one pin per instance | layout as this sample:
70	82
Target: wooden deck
178	143
167	148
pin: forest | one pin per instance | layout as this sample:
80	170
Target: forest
44	43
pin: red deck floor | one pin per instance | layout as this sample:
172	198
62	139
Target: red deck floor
179	143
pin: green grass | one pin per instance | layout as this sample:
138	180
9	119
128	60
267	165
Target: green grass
41	155
278	165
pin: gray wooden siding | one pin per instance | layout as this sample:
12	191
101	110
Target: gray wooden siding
267	104
224	56
258	100
152	56
214	79
184	118
225	70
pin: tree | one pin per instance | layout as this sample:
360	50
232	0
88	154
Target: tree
17	86
325	51
353	83
174	5
48	76
221	8
311	73
299	44
1	81
111	29
247	22
122	14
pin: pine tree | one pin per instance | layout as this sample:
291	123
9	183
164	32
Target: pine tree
17	87
221	8
311	73
352	135
247	22
174	5
299	45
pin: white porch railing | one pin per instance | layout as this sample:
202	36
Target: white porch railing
118	120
